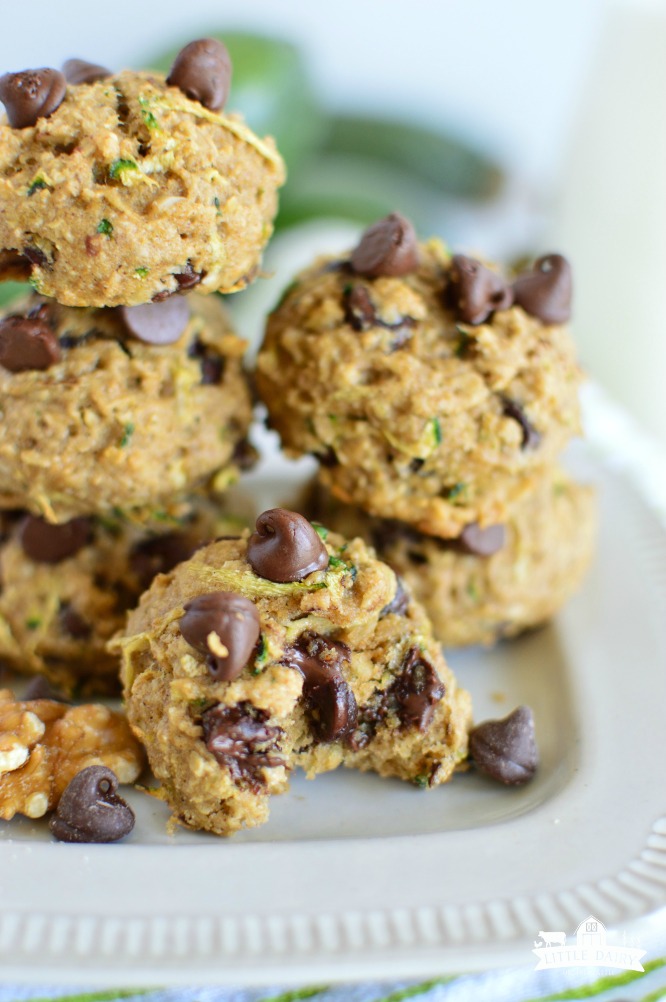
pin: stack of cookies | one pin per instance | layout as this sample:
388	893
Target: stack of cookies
438	396
124	405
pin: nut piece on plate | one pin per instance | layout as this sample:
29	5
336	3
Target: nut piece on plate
132	409
125	188
67	588
288	647
432	390
44	744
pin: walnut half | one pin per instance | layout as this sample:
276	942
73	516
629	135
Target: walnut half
44	744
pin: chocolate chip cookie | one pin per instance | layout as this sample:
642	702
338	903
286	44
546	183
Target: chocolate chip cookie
128	409
287	647
432	390
122	188
488	583
66	588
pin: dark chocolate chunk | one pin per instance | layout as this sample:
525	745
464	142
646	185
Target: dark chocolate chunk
78	71
90	809
359	310
73	622
27	343
531	437
226	627
31	95
400	602
211	363
157	323
389	247
160	554
417	690
545	292
482	542
202	70
41	688
49	544
285	547
506	749
474	291
242	742
332	709
187	278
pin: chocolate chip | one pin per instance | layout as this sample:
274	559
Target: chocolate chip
226	627
90	809
332	709
160	554
187	278
202	70
73	623
399	604
531	437
157	323
49	544
36	256
78	71
245	455
482	542
31	95
389	247
211	363
328	458
506	749
41	688
417	690
545	292
359	310
474	291
285	547
242	742
27	343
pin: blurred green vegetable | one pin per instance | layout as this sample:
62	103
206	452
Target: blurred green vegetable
270	86
12	290
445	162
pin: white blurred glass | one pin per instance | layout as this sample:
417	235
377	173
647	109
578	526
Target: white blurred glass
611	215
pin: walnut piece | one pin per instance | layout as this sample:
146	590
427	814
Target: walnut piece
44	744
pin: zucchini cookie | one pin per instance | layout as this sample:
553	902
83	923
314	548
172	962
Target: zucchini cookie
118	189
432	391
66	589
494	582
127	409
288	647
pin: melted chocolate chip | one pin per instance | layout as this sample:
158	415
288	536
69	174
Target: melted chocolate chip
73	623
531	437
506	749
474	291
187	278
36	256
285	547
211	363
41	688
31	95
389	247
90	809
482	542
157	323
202	71
359	310
159	555
78	71
416	691
27	343
49	544
225	626
332	710
242	742
399	604
545	292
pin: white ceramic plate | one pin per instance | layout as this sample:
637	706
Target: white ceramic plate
358	877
